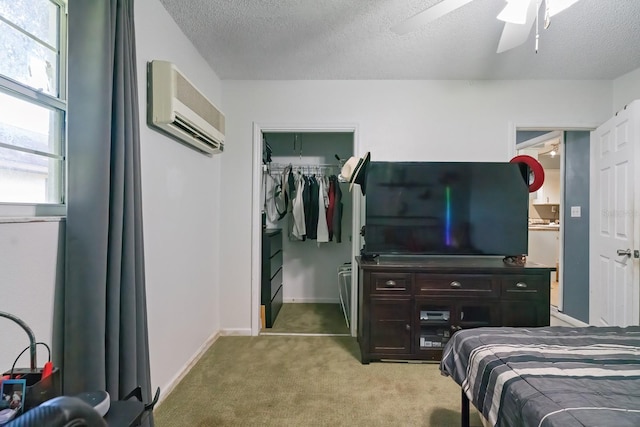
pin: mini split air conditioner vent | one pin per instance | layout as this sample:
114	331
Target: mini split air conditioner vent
178	109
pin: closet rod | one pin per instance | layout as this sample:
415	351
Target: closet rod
304	165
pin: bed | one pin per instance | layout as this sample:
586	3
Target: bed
547	377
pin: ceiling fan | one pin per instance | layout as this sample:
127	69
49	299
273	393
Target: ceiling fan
518	16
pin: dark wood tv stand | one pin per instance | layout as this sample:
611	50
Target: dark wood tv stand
408	307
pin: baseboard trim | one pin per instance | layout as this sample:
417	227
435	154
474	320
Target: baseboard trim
567	319
166	391
312	300
230	332
302	334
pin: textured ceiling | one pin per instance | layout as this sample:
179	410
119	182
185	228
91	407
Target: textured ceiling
351	39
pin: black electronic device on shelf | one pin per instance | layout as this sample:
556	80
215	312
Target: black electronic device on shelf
40	384
446	208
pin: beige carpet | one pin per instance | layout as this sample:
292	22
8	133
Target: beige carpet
307	381
309	319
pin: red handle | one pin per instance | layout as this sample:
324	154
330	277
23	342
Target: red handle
46	371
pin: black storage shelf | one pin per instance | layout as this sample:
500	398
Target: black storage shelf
272	287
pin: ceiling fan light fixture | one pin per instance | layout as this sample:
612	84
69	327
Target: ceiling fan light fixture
515	12
519	17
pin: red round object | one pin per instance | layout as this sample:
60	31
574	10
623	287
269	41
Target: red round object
535	167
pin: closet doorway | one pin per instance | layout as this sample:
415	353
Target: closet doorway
313	271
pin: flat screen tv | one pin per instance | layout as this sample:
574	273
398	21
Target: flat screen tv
446	208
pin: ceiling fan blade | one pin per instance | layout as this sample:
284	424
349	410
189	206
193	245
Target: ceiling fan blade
515	34
557	6
515	11
428	15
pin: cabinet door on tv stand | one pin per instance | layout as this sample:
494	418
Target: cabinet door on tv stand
390	327
525	300
525	313
477	314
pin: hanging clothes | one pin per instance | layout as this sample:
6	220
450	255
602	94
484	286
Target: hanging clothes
337	213
311	203
291	191
299	229
281	194
306	199
331	194
323	229
325	190
312	224
269	185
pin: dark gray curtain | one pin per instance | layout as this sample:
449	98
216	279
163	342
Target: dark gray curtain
104	341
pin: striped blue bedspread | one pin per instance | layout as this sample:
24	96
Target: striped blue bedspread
551	376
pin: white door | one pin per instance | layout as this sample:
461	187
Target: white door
614	294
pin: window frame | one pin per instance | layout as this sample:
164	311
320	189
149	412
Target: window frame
58	104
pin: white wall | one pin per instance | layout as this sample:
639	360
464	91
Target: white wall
181	191
626	89
30	264
397	120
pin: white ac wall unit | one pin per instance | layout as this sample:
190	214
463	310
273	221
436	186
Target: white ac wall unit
176	107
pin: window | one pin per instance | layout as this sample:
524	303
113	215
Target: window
32	102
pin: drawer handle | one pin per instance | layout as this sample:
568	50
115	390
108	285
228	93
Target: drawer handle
390	283
455	284
521	285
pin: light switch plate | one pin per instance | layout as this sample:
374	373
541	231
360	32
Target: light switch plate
575	212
